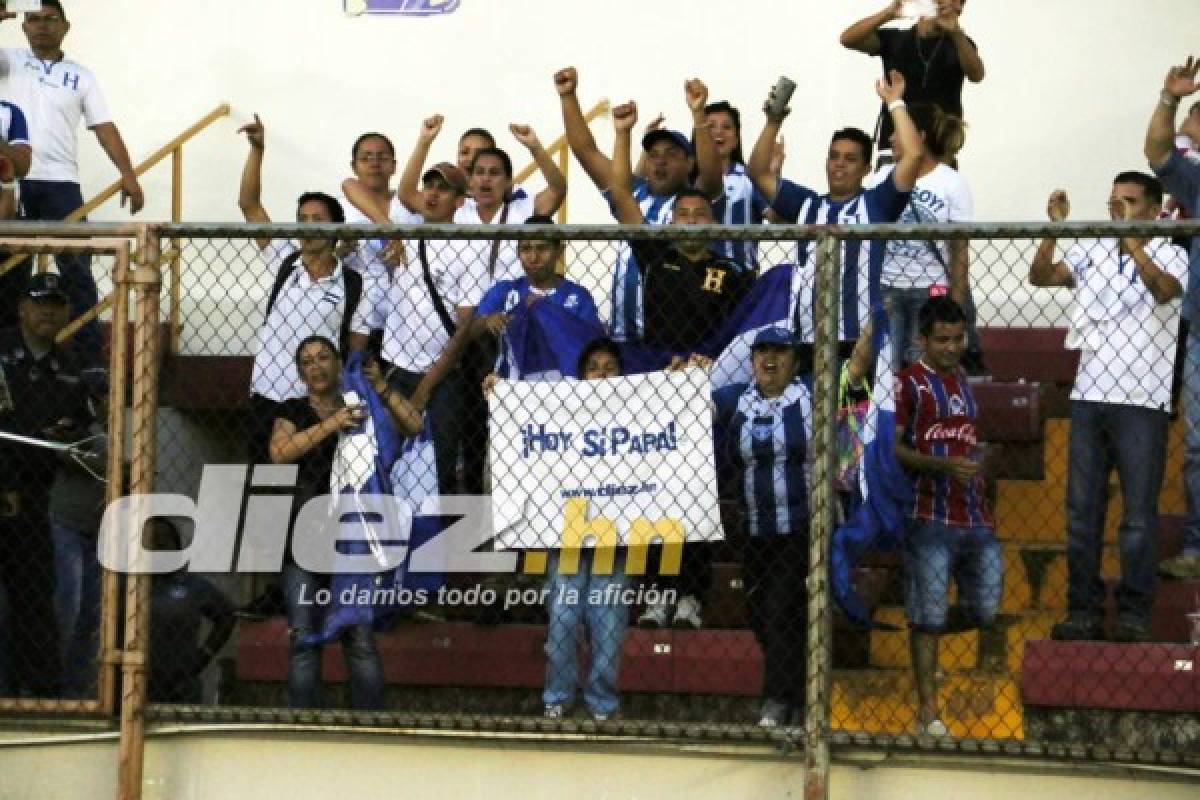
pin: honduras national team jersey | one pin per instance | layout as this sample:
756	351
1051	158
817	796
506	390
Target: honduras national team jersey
742	204
504	296
862	261
938	415
626	320
764	444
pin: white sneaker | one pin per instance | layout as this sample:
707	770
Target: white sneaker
554	711
773	714
655	616
935	727
687	613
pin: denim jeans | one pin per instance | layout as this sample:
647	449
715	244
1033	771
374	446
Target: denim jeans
77	604
304	660
605	621
1134	440
1191	452
54	200
933	554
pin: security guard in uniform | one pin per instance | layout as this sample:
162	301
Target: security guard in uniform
41	397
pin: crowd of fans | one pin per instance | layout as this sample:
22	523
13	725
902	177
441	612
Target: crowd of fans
434	317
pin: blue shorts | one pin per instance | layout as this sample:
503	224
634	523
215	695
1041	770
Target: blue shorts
933	553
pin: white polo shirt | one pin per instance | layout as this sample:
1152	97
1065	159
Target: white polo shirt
414	336
508	264
54	95
303	308
1126	341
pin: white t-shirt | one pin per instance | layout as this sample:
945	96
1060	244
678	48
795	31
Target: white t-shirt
54	96
508	264
366	259
414	336
303	308
941	196
1126	341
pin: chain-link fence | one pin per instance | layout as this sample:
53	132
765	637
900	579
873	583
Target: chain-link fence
734	520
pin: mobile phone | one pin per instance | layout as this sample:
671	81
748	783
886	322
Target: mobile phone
919	8
780	96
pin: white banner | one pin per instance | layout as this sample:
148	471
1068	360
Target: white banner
619	460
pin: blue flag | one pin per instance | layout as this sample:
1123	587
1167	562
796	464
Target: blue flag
544	341
367	463
886	490
768	304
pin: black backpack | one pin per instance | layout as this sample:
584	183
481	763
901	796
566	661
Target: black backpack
354	290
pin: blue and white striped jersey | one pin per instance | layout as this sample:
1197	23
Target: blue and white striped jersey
762	445
13	125
862	261
742	204
626	320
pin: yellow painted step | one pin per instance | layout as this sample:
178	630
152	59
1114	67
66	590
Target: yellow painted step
889	649
884	701
1030	627
1019	593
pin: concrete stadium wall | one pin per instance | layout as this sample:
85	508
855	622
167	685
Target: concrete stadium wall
215	765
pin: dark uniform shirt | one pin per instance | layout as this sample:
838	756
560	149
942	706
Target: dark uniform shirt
686	300
931	69
36	395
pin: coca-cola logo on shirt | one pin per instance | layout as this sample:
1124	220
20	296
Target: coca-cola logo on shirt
952	432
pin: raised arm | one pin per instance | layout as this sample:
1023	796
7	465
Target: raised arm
759	167
250	190
409	189
1163	286
862	35
890	89
579	134
710	178
968	54
620	183
548	200
1045	271
1160	137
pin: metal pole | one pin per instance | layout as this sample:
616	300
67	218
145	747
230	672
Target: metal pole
820	644
146	283
118	386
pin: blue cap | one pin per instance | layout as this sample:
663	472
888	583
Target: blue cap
776	336
664	134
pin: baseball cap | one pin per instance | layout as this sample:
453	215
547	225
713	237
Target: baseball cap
674	137
45	284
454	177
775	335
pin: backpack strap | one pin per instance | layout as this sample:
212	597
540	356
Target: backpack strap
286	269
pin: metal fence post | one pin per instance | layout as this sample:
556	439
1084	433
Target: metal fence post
146	282
820	644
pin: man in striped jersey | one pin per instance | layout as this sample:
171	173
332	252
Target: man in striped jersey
846	203
950	528
670	159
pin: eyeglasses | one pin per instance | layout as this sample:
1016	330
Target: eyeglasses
375	158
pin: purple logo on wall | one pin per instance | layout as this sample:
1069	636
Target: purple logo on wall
411	8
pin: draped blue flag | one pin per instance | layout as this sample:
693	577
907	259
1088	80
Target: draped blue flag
878	519
545	340
768	304
366	464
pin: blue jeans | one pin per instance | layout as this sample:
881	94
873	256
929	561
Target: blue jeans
605	621
933	554
304	660
54	200
77	604
1191	452
1134	440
